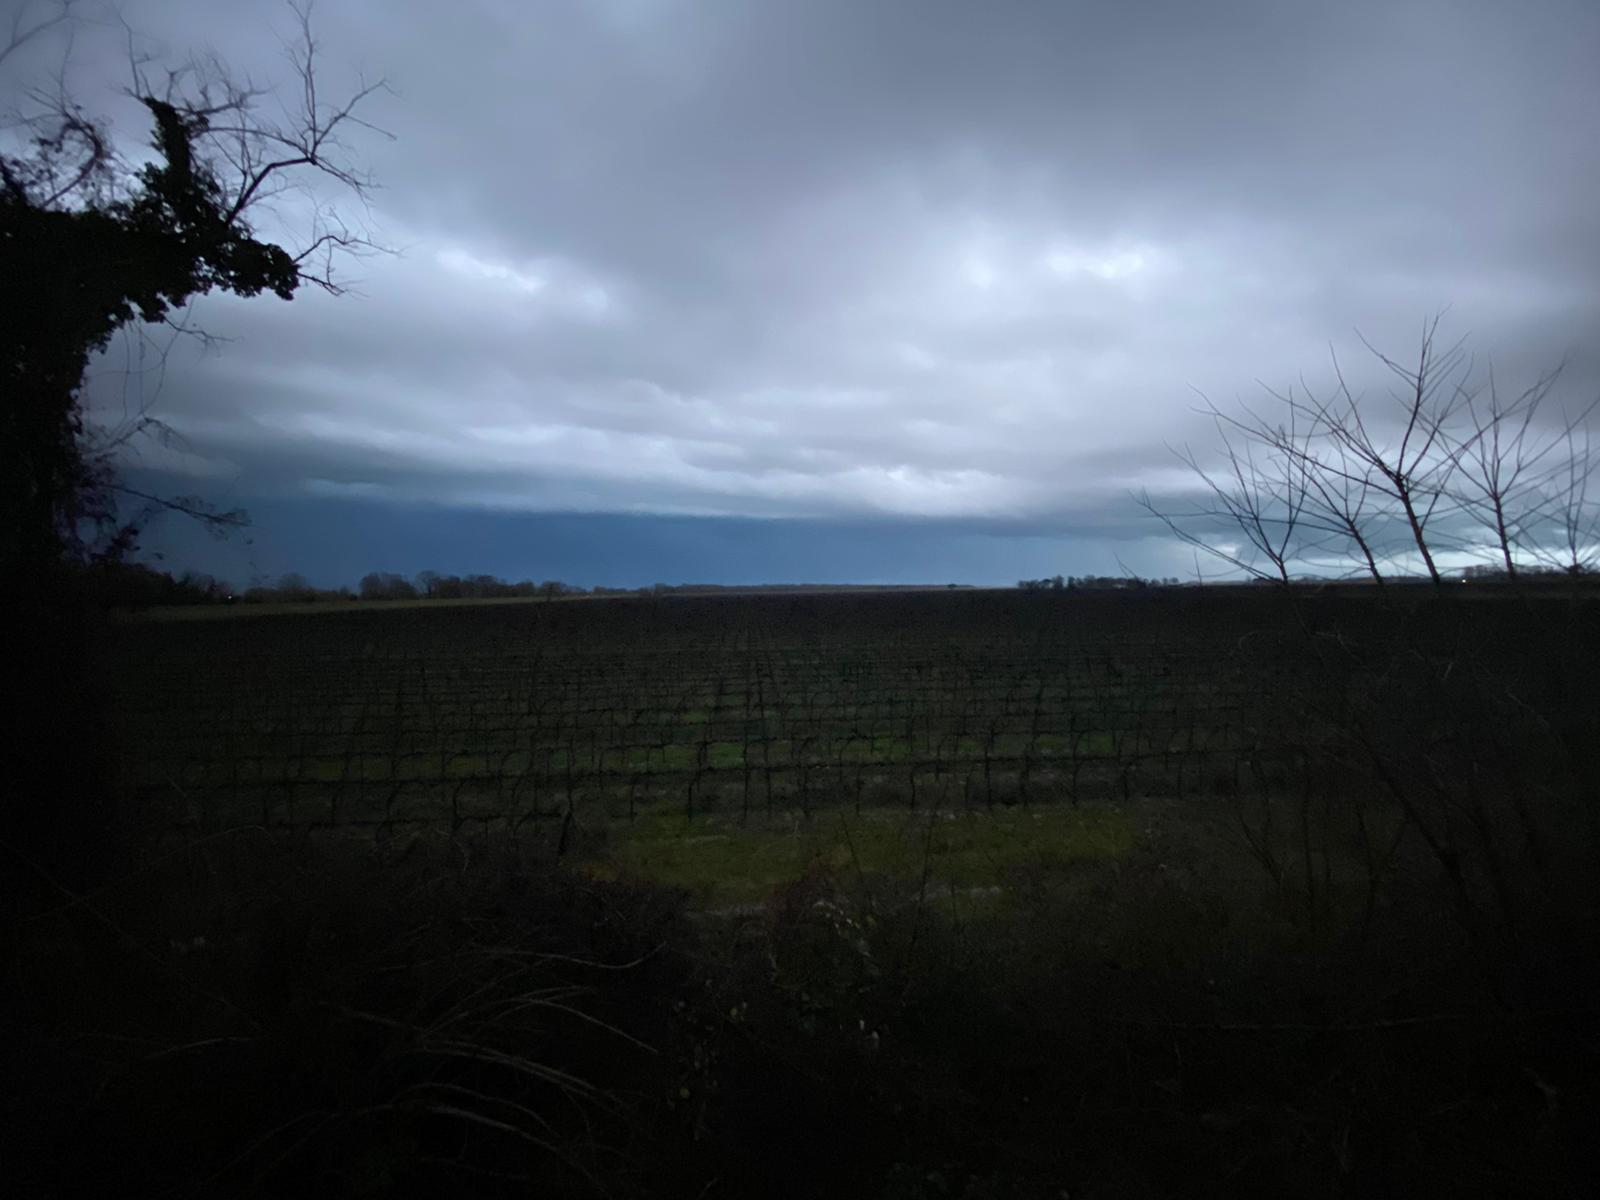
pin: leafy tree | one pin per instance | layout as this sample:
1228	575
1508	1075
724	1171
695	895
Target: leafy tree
91	243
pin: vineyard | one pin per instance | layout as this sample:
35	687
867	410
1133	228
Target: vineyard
468	718
991	893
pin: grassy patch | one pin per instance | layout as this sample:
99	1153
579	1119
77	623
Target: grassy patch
725	754
725	862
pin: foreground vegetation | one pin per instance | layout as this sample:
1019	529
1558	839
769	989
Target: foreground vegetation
1342	949
256	1017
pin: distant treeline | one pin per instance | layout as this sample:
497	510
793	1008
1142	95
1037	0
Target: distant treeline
137	585
1058	583
741	589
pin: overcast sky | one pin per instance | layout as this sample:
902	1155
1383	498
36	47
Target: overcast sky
932	277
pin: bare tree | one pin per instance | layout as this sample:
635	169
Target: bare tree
1338	503
1568	514
1257	491
1414	467
1326	472
1506	462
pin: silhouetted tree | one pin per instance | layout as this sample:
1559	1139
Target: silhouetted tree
1516	475
385	585
1256	492
1569	509
294	586
1454	466
92	243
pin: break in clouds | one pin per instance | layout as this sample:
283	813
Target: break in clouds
886	260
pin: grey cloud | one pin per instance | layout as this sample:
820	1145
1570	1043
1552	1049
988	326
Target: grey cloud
834	257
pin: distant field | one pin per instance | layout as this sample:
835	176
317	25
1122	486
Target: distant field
380	716
221	612
563	719
213	612
1208	877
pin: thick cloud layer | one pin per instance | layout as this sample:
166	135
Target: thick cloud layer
910	258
